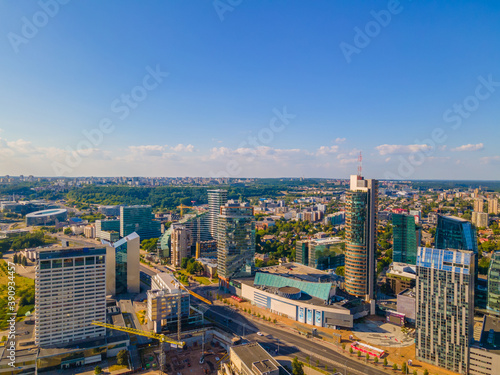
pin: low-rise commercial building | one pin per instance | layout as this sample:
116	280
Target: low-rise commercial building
301	293
400	276
485	354
163	299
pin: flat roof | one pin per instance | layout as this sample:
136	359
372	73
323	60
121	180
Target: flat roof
490	334
47	212
297	271
252	353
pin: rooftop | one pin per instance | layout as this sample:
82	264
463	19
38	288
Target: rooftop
253	353
490	334
47	212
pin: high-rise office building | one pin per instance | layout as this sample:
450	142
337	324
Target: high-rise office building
216	199
494	283
480	219
181	240
406	238
235	240
493	206
361	235
478	204
445	307
198	224
321	253
139	219
108	230
455	233
122	265
70	293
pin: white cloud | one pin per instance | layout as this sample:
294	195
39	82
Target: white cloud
340	140
327	150
181	148
469	147
490	159
401	149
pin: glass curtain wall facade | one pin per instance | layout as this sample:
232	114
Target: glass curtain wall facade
494	283
361	234
235	240
445	307
455	233
405	236
139	219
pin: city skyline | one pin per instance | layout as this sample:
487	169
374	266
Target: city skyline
250	90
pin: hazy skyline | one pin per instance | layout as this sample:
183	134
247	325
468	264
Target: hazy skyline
250	89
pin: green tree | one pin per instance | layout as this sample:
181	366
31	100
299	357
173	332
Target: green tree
297	367
15	258
122	358
426	372
375	360
395	366
24	262
67	231
367	356
184	262
415	372
317	363
308	359
403	368
385	361
359	354
97	370
351	350
340	271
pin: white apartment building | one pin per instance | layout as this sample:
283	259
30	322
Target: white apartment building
70	293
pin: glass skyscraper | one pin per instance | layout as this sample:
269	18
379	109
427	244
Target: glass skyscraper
455	233
139	219
406	238
494	283
122	265
235	240
361	235
445	307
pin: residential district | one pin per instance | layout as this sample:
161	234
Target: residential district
248	276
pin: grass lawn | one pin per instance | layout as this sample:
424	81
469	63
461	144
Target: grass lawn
117	368
22	285
201	279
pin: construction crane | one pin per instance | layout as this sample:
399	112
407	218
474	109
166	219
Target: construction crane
182	207
180	287
158	336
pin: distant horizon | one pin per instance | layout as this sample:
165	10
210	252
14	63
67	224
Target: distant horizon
259	178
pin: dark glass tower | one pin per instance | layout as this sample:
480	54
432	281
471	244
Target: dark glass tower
406	238
455	233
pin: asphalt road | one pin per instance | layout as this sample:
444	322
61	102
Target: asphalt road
289	343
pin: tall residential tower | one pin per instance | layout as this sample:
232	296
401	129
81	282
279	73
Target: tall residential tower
445	307
216	198
361	237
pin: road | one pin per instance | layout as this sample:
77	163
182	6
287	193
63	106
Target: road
289	343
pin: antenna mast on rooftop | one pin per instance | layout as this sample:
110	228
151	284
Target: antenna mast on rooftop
360	164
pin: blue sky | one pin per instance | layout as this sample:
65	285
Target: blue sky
416	92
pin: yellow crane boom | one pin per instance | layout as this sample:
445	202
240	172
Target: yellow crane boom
152	335
195	295
182	207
